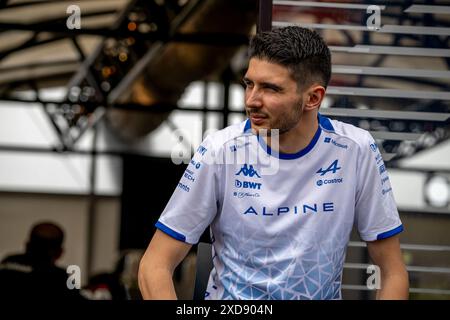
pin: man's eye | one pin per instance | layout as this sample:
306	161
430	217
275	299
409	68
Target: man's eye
272	89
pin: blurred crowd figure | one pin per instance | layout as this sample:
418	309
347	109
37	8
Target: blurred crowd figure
34	273
121	284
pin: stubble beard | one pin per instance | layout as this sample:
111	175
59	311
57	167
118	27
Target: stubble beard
283	124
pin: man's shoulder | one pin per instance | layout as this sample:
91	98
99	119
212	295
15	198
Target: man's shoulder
16	258
221	137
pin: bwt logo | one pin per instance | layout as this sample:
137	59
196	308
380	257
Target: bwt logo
248	171
247	185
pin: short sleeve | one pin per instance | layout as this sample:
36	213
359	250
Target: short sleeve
194	203
376	211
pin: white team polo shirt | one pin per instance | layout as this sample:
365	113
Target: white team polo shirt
282	235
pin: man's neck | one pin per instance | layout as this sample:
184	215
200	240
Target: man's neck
298	137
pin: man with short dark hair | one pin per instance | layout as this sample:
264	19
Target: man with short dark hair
34	274
282	233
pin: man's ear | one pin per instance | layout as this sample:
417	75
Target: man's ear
314	97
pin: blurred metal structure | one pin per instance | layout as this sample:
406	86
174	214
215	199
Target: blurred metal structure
127	65
398	85
134	70
136	56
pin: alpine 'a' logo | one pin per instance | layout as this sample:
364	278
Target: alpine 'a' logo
334	166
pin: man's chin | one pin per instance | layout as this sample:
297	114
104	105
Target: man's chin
264	130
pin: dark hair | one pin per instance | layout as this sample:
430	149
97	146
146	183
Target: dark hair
301	50
45	242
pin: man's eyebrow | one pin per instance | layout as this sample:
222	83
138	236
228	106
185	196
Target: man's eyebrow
271	85
264	84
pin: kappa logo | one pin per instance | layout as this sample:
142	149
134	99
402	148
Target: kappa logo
248	171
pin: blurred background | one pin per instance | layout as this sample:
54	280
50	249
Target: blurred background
103	102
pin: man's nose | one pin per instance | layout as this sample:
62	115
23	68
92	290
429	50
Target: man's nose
253	98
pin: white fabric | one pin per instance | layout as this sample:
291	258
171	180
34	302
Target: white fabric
283	235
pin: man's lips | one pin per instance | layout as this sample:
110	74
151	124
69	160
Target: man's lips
257	118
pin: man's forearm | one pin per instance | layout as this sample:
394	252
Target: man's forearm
156	284
394	287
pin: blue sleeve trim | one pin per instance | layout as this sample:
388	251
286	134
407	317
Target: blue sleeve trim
390	233
170	232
